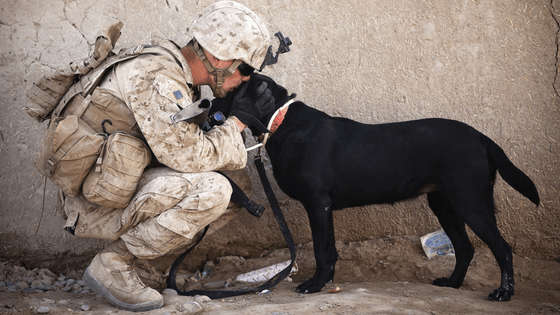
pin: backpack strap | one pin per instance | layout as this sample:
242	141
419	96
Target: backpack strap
87	83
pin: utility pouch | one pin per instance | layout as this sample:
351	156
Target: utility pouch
112	182
67	152
46	93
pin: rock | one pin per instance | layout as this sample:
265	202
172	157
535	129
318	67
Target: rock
191	307
43	310
13	288
169	292
85	307
46	272
43	287
200	299
47	280
22	285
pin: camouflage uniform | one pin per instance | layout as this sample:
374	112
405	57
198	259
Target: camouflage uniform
172	203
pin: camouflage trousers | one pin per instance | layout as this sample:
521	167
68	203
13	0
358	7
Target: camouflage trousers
167	212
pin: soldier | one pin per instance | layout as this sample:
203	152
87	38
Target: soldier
175	201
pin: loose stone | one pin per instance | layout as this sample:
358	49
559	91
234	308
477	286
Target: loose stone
192	307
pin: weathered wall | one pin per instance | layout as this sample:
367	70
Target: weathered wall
489	63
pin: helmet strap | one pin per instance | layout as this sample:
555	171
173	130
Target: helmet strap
220	75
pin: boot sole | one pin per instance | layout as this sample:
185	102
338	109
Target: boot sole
100	289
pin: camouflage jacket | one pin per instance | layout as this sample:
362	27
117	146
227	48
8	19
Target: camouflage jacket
148	85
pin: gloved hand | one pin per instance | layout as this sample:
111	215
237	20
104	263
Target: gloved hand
252	102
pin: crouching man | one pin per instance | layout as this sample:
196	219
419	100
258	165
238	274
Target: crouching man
176	199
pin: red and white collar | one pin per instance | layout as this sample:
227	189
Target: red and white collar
273	124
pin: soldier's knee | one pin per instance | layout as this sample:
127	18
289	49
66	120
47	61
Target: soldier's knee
223	187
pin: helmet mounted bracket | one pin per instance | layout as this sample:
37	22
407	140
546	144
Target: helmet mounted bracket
283	47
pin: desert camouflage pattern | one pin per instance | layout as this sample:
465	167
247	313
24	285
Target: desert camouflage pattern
154	87
231	31
171	208
174	202
166	214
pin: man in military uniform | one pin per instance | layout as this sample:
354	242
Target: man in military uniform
176	201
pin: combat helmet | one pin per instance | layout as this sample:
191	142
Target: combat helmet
230	31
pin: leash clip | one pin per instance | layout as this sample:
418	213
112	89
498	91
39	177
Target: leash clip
258	156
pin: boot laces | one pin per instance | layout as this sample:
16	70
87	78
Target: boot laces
132	279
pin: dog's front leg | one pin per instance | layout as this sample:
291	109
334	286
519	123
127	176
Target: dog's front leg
322	230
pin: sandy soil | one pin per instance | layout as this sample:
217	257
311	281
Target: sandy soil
379	276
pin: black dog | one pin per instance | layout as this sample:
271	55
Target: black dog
330	163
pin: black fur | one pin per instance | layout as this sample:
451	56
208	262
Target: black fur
330	163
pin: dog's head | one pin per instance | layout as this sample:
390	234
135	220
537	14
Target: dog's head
280	94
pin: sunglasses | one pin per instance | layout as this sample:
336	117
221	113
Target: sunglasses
245	69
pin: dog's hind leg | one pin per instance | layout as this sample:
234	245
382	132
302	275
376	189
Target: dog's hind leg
454	227
484	226
322	230
474	203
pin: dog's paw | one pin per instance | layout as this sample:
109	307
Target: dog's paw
500	294
309	287
441	282
445	282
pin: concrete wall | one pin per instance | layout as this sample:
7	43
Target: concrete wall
489	63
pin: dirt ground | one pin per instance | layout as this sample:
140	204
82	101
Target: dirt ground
379	276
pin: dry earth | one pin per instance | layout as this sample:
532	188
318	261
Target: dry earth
378	276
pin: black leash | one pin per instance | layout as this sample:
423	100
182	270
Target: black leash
239	197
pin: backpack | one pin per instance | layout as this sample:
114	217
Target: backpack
92	137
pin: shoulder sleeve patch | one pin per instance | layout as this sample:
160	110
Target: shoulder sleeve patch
178	95
172	90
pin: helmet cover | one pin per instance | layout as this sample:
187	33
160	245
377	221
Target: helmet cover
230	31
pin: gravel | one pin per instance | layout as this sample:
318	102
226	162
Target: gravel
15	278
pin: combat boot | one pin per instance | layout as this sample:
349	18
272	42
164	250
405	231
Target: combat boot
110	274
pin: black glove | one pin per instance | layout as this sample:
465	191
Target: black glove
252	102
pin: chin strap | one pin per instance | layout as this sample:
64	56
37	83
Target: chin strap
220	75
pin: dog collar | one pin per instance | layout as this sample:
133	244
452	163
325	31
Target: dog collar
276	120
273	124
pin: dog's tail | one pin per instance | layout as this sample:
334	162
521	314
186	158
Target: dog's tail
511	174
